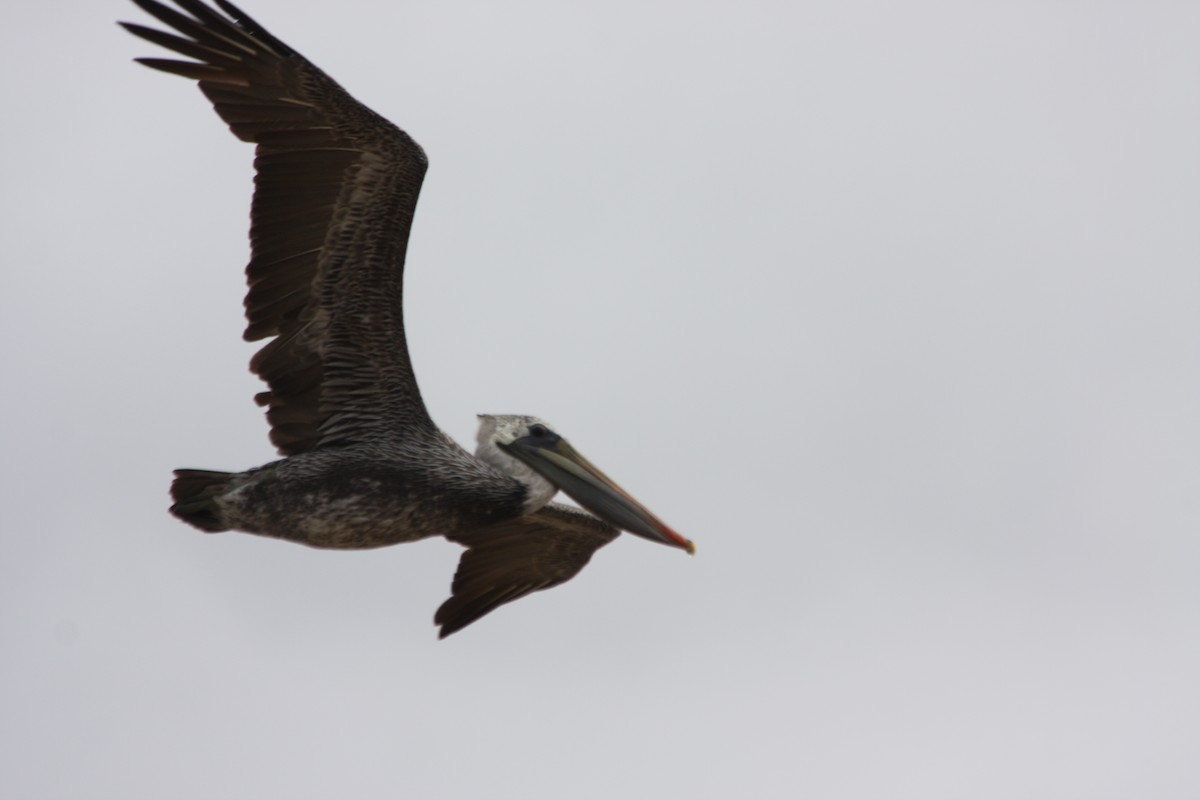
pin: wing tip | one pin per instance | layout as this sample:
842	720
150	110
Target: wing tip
447	621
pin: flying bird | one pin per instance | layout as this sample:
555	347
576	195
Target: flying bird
363	464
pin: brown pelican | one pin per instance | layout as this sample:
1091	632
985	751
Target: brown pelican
363	464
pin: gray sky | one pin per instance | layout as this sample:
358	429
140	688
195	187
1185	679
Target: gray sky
891	307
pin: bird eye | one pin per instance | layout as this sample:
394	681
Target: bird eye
538	430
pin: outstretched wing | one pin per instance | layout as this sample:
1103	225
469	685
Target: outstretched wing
335	191
508	560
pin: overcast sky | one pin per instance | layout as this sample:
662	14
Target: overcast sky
892	307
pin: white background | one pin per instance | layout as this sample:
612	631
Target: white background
893	307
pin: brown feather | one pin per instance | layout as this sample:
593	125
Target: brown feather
508	560
335	192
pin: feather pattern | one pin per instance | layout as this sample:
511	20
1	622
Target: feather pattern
336	187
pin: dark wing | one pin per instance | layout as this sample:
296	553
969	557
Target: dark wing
508	560
335	191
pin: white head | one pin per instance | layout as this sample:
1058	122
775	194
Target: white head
504	429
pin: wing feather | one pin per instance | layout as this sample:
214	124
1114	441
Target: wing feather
508	560
336	187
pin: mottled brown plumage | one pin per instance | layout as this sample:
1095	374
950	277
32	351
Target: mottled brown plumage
336	188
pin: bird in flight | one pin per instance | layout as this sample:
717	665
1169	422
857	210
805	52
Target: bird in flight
363	465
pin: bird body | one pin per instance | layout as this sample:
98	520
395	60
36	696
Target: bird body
363	464
355	497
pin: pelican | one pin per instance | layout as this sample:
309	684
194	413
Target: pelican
363	465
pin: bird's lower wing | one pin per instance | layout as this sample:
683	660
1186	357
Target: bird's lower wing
508	560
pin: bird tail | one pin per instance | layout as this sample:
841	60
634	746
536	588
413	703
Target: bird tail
194	492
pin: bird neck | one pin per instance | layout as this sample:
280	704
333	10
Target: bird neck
538	490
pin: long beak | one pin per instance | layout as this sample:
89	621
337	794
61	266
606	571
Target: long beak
563	466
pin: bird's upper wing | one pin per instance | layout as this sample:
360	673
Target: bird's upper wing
508	560
335	191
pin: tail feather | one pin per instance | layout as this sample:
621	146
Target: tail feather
194	492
